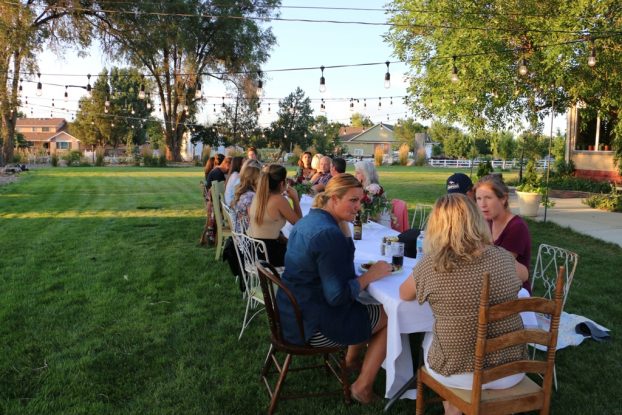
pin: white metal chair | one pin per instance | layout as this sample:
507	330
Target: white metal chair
420	218
250	251
543	279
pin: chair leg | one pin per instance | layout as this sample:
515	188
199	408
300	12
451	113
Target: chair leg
420	405
279	384
266	364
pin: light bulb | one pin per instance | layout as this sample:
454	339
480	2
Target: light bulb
522	69
387	77
198	94
591	61
322	81
39	85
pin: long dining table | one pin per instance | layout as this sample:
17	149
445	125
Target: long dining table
404	317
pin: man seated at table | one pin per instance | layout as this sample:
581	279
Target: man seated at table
460	183
458	249
322	176
337	166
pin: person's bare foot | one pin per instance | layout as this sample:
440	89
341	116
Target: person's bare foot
362	397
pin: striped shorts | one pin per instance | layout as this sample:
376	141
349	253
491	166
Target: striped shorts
319	340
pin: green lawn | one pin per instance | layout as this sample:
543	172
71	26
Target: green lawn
108	306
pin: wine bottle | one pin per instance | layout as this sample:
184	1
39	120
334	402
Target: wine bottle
358	227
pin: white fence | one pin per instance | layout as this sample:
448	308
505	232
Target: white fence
503	164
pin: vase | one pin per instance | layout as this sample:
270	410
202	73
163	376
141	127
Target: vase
384	219
528	203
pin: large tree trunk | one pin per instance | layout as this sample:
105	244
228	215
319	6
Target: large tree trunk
173	144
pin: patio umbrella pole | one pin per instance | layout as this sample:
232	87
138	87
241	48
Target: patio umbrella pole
548	159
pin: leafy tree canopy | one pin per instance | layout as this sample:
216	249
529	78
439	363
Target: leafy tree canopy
295	117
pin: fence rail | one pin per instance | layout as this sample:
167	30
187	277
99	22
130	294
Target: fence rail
503	164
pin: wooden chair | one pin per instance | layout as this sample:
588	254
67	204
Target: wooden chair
527	395
222	230
420	218
548	261
250	251
206	201
333	357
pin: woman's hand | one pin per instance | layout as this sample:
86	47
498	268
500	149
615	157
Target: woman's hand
377	271
292	193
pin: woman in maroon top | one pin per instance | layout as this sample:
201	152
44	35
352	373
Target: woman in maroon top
509	231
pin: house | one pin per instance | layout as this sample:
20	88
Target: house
363	142
588	145
47	134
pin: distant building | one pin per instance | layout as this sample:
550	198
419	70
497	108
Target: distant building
588	145
47	134
361	142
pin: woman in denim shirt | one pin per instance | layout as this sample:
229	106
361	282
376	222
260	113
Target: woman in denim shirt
319	270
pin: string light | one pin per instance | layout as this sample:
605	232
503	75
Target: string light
198	94
522	68
454	70
259	90
66	97
148	100
387	77
20	86
322	81
141	93
39	85
88	84
379	103
591	60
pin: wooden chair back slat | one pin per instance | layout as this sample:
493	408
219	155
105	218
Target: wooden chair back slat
525	336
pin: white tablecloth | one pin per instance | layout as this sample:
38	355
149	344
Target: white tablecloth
403	316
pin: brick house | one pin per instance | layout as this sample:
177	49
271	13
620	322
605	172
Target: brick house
47	134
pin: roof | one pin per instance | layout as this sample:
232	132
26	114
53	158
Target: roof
45	137
352	137
343	131
40	122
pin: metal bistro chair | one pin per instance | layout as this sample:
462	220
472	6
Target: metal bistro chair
222	230
527	395
333	357
549	259
420	218
251	251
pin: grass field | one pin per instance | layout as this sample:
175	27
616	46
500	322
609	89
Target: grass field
109	306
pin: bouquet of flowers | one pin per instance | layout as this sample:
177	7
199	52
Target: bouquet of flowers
301	185
374	201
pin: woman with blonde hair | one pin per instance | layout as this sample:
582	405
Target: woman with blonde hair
319	270
244	193
270	209
315	161
508	230
458	250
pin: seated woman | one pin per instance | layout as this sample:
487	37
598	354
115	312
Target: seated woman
305	171
458	250
220	170
319	270
233	178
322	175
366	172
244	194
509	231
270	209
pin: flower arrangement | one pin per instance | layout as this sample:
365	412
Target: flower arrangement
374	201
301	185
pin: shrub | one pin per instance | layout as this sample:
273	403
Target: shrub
421	158
403	154
378	156
162	160
54	160
563	169
72	158
578	184
99	158
484	168
611	201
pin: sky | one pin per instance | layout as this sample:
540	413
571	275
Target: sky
299	44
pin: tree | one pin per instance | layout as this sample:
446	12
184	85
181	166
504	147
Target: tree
124	119
325	135
489	40
359	120
181	42
293	122
28	26
504	145
238	120
405	130
455	142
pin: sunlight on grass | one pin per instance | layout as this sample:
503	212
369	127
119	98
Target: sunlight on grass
75	214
